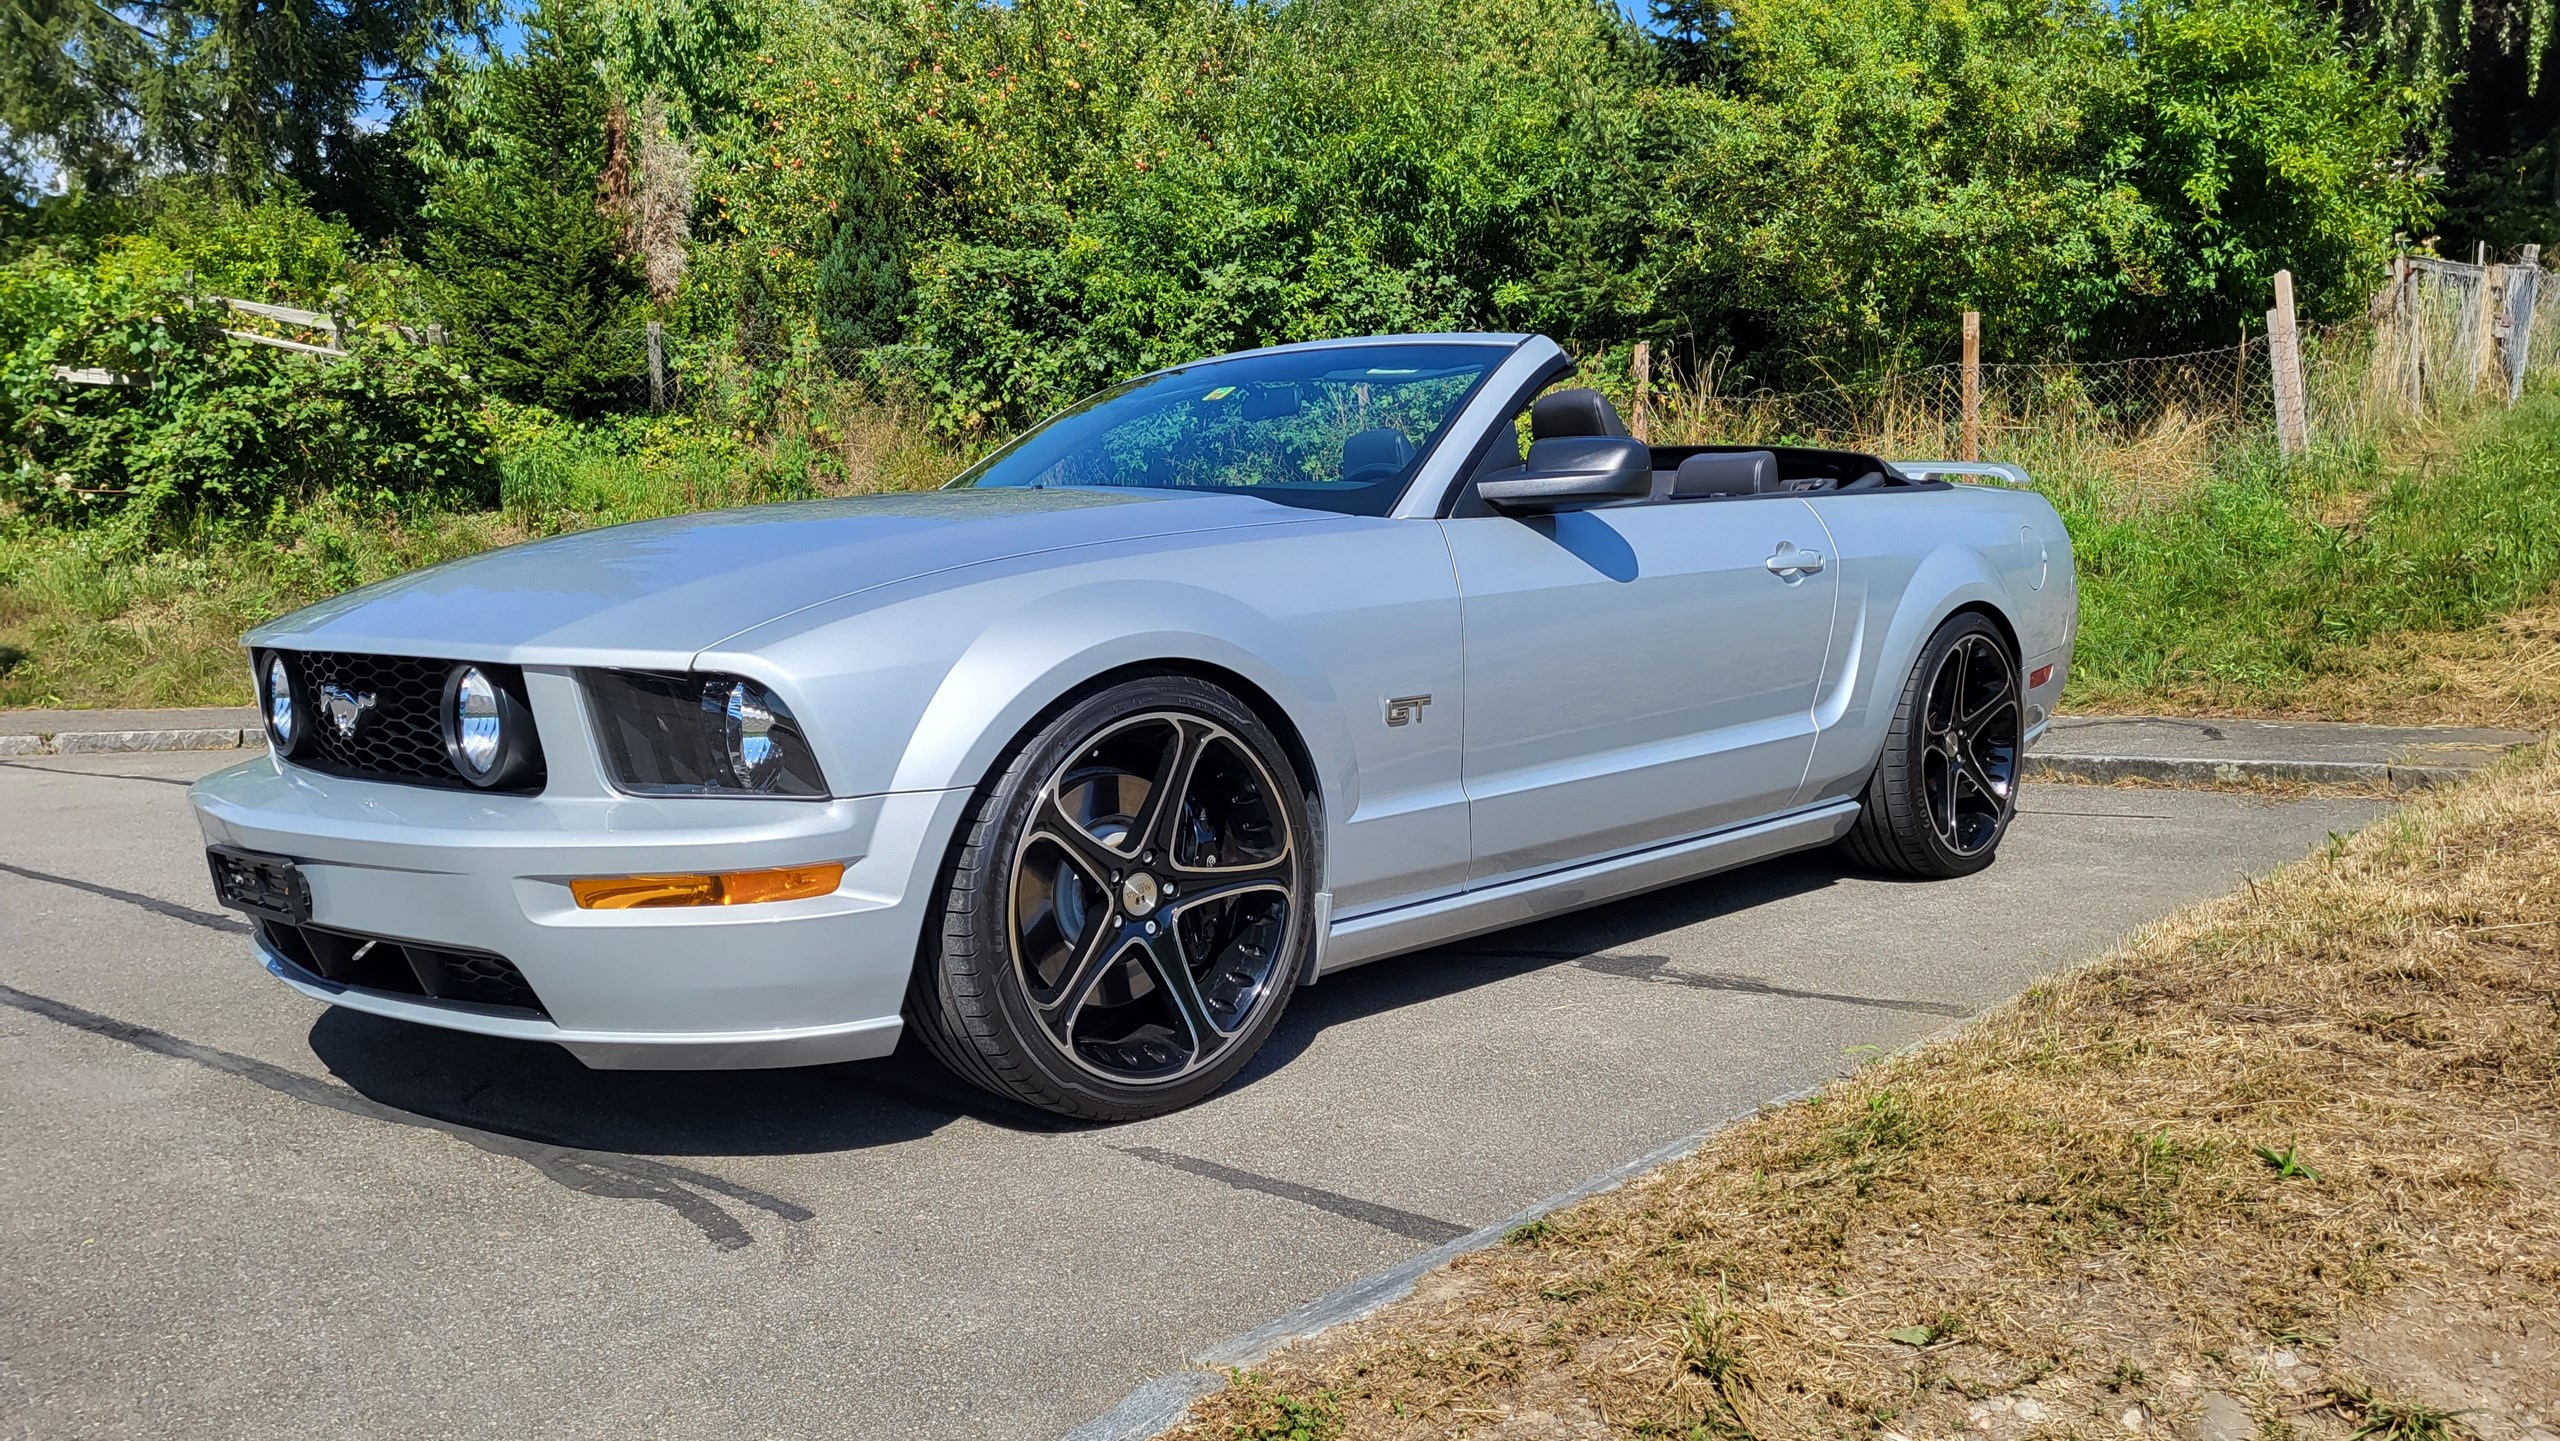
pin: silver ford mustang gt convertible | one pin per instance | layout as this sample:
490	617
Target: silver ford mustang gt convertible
1221	681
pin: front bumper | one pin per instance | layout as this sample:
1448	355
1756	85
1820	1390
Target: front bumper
783	983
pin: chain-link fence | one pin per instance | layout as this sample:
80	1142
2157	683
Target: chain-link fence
2438	337
2441	337
754	377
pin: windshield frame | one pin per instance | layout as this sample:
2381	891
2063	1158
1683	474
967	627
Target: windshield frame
1500	348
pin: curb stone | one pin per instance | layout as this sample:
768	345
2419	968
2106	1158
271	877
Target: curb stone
2197	771
1158	1404
78	743
42	732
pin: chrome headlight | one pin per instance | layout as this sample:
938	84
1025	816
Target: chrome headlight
488	728
280	703
700	735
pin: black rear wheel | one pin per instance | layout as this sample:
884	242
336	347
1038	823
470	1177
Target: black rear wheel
1946	786
1128	910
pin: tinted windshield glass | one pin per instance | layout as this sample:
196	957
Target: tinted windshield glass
1338	429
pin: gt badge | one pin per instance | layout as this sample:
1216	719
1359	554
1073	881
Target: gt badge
1406	710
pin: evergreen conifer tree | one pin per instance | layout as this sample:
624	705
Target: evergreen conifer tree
531	269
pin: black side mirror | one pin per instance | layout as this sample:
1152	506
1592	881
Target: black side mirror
1570	472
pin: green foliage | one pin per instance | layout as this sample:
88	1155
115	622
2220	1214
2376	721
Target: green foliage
2251	582
2094	179
529	271
1095	190
1264	1412
2285	1163
237	93
2499	63
859	293
208	428
1818	185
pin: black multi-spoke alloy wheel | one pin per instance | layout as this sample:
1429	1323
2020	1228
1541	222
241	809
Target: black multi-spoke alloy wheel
1127	909
1947	783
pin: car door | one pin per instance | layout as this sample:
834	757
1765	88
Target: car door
1635	674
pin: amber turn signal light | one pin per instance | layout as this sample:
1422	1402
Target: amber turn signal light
730	888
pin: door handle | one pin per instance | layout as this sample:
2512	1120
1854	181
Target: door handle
1791	561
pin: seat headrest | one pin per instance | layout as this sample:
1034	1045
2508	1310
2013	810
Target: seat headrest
1574	412
1380	449
1727	472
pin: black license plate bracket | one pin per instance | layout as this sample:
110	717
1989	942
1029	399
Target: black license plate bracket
254	883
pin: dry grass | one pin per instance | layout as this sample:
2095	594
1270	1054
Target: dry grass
2300	1146
2506	674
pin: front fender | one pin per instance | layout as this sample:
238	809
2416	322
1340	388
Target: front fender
1024	661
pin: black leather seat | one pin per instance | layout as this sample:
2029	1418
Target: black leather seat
1375	454
1726	472
1574	412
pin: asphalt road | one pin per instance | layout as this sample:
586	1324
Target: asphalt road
228	1211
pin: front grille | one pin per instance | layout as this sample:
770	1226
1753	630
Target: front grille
400	737
405	968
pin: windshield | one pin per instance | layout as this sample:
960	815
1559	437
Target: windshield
1338	429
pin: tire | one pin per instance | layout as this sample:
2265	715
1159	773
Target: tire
1103	954
1944	790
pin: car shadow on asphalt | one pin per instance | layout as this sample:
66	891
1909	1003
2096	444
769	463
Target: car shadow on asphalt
1564	940
538	1092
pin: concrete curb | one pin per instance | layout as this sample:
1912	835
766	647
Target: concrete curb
1158	1404
2202	771
91	743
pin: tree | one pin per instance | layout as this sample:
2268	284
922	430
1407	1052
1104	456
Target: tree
98	95
861	284
2498	62
2096	178
529	268
1694	37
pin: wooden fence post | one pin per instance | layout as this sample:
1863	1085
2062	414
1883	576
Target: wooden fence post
2417	338
2520	341
2491	300
1972	386
2284	364
1644	391
657	366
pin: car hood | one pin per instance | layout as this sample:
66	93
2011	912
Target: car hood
656	592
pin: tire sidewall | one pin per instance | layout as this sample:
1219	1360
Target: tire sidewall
1911	732
984	908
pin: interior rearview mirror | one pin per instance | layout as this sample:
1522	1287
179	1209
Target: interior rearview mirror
1570	472
1271	402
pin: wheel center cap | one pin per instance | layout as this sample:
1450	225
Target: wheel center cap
1139	894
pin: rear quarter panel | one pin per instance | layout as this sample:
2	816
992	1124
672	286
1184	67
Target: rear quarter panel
1908	559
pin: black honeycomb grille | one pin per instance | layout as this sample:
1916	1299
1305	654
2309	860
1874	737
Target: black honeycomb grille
400	736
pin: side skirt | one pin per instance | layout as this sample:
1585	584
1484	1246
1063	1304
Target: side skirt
1380	934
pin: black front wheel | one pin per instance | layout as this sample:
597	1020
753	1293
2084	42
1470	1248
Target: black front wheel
1947	784
1128	909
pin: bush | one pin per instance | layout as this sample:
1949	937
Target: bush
211	429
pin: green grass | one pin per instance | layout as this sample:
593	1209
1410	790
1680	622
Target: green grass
83	625
2236	591
87	619
2266	576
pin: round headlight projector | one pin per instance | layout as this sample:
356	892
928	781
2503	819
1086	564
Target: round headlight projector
754	755
283	721
488	734
477	726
